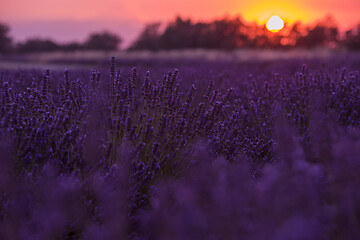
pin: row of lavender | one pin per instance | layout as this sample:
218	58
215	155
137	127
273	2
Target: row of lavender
114	156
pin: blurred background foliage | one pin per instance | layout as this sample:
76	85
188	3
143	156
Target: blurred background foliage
225	33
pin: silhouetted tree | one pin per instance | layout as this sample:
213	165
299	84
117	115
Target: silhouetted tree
5	39
227	33
315	37
103	41
37	45
148	38
352	39
177	35
325	33
294	34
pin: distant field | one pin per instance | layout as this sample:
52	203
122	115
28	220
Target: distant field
86	59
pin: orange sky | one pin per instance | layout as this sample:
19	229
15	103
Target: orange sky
73	18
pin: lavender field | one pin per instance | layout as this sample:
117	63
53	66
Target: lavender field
182	149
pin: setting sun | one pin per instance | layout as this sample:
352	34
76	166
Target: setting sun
274	24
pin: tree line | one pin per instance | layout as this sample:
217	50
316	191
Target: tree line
224	33
104	41
232	33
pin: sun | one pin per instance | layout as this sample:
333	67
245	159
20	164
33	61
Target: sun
275	23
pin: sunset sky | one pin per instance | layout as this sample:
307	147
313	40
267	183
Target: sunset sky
66	20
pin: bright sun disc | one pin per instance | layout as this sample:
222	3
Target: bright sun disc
275	23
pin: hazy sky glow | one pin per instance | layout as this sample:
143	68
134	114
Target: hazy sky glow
74	19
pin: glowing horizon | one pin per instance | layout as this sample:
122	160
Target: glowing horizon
28	18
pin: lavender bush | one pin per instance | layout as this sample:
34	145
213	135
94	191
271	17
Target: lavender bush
215	154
